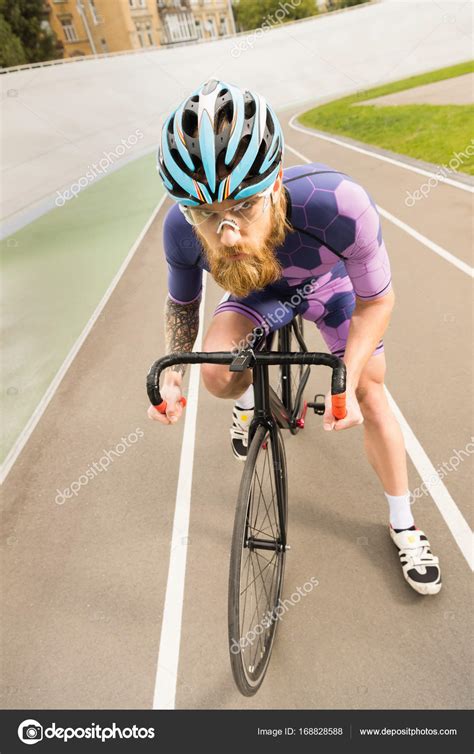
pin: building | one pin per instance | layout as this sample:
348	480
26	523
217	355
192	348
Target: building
191	20
94	27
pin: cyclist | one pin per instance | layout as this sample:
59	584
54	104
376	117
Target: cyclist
306	240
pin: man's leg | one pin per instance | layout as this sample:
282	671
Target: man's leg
383	439
233	321
331	307
227	330
385	450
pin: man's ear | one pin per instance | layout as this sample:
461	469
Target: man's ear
278	179
278	183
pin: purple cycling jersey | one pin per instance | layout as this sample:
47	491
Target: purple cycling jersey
335	245
333	218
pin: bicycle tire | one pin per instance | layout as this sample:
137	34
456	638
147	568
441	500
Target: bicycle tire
248	682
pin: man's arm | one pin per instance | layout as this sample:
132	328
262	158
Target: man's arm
369	321
181	329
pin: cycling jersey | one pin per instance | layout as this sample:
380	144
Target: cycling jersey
333	253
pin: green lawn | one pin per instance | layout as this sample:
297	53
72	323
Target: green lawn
427	132
55	272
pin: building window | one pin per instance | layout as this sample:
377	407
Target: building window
149	34
199	30
223	26
69	30
211	27
141	37
180	27
103	44
144	34
94	14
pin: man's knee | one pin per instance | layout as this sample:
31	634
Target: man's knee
215	378
219	381
372	401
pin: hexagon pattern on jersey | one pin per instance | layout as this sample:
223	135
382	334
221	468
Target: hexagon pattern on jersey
336	242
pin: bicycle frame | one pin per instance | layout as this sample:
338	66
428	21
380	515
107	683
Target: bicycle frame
269	410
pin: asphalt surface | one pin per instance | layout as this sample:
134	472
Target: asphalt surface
84	579
458	90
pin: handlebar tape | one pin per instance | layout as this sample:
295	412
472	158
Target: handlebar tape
339	405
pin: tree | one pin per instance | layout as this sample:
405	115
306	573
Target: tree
11	49
349	3
253	14
28	23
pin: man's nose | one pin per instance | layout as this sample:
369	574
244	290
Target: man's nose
229	234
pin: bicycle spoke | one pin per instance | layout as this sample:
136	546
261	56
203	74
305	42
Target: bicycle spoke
261	490
267	508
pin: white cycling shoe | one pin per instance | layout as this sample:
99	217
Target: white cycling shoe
420	567
239	431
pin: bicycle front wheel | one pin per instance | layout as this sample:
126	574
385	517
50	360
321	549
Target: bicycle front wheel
257	559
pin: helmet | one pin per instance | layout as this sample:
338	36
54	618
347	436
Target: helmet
221	142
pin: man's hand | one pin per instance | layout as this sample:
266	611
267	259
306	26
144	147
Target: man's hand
353	416
171	393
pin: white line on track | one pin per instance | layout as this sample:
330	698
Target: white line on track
168	654
45	400
444	502
446	255
430	244
377	156
453	517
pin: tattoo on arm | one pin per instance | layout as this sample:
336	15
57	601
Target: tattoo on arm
181	328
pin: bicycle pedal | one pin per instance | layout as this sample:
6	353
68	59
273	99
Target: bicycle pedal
319	406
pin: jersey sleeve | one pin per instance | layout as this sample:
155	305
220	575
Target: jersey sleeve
180	246
367	261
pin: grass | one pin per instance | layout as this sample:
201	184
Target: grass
427	132
55	272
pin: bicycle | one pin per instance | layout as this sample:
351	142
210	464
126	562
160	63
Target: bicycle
259	539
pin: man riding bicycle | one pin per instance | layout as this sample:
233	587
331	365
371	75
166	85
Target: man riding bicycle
305	240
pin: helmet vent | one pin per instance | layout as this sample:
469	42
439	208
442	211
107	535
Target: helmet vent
189	122
223	118
250	109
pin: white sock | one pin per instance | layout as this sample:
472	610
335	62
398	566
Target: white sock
401	516
246	400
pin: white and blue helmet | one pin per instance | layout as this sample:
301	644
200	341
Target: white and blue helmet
222	142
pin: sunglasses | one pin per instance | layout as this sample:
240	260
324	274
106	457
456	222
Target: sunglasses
244	213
